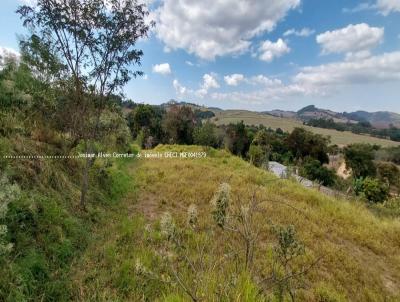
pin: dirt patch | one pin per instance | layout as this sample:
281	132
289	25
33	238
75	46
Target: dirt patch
342	171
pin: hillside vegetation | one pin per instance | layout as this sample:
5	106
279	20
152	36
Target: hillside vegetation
287	124
350	254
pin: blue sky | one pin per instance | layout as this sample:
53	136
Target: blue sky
264	54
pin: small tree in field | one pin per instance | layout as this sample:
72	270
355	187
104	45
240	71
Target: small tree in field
93	42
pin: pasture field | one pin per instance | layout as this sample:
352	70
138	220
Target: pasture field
287	124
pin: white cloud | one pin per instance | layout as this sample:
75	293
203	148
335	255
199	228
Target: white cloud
189	63
388	6
271	50
322	80
351	39
359	55
234	79
211	28
359	8
166	49
304	32
179	89
266	81
209	83
376	69
385	7
163	68
260	96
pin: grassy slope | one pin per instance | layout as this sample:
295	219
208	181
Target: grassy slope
45	224
254	118
360	251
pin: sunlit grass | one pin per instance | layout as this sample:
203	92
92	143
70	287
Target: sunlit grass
360	251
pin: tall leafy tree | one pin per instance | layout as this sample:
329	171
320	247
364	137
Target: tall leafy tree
93	42
359	158
237	139
179	123
303	143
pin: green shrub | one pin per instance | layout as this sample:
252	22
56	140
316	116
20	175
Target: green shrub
258	156
205	135
372	189
313	170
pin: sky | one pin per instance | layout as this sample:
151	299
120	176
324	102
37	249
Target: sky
342	55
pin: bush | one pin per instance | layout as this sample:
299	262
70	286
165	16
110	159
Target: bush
205	135
257	155
375	190
372	189
388	173
313	170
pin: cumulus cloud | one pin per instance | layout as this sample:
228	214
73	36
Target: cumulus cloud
163	68
304	32
270	50
351	39
234	79
321	80
376	69
179	88
209	82
197	26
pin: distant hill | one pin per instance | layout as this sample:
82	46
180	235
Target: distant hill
380	119
341	138
191	105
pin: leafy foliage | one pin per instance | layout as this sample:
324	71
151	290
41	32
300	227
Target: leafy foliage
372	189
179	124
313	170
236	139
206	135
303	143
359	158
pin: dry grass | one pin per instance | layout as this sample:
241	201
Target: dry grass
360	252
287	124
